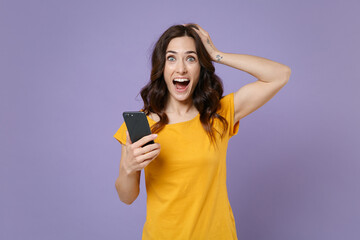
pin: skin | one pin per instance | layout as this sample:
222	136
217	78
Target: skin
181	61
134	158
271	77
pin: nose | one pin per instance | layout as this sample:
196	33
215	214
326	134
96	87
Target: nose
181	67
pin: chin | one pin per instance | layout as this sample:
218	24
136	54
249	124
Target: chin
182	98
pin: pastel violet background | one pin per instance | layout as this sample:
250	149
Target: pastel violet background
70	68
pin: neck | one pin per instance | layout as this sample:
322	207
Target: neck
179	108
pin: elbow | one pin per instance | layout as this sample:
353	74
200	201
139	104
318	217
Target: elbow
126	197
286	72
281	75
127	201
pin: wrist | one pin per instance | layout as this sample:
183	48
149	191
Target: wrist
217	56
126	172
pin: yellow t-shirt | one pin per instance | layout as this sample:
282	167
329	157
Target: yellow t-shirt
186	184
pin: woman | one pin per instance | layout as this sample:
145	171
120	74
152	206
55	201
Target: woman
186	179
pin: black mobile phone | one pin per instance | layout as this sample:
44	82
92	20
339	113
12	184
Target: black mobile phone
137	125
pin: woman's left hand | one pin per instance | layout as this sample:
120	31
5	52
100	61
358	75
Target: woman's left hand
206	40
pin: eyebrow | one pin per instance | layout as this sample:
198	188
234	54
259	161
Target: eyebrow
187	52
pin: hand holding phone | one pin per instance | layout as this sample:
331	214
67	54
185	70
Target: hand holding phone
136	157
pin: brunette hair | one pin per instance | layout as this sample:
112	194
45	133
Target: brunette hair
207	93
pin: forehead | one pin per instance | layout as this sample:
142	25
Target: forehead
182	44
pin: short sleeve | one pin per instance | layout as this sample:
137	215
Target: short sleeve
227	111
120	135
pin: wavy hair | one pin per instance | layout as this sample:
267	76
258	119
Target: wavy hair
207	93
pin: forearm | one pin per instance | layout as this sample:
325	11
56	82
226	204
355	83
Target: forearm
127	186
263	69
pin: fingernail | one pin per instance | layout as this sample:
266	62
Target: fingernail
154	135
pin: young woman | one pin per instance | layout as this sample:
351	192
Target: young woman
192	122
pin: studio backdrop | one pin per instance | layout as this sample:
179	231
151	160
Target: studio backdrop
70	68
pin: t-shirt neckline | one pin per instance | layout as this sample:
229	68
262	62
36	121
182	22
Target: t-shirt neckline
178	123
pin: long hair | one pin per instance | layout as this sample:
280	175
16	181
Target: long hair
207	93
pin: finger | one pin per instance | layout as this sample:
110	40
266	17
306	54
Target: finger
144	140
204	37
200	34
145	163
193	26
200	29
146	149
128	140
148	156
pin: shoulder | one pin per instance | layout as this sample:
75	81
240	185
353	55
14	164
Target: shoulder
154	117
227	97
120	134
226	110
226	103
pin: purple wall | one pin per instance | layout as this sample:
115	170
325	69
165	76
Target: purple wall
69	69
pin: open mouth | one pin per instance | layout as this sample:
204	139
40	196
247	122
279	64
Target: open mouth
181	83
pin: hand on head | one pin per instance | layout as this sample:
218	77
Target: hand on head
205	38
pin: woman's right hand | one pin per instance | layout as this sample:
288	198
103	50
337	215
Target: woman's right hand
137	157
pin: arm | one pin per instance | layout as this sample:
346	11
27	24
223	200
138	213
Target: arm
271	77
263	69
134	158
127	184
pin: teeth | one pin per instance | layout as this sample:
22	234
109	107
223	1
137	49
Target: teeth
181	80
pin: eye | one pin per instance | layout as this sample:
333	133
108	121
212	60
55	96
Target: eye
170	58
191	59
